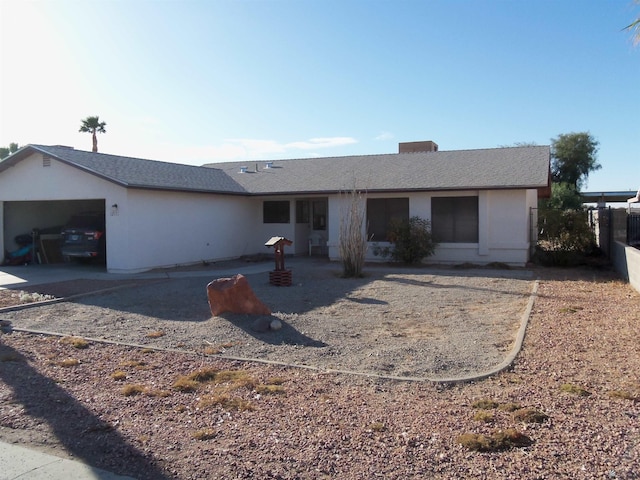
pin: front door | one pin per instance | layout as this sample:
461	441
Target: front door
311	226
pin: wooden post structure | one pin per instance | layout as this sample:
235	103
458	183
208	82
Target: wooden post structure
280	277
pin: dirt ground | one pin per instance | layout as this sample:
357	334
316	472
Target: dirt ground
156	414
407	322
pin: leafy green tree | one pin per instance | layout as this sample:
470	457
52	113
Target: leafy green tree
565	237
6	151
564	196
93	125
573	157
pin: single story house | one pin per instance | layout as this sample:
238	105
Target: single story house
160	214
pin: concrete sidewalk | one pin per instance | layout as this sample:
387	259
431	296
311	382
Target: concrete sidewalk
20	276
19	463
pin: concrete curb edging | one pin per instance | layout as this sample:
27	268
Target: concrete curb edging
25	306
524	322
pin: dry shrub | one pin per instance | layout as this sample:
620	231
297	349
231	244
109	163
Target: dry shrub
377	427
119	375
497	441
157	393
529	415
483	416
234	378
203	375
270	389
204	434
574	389
485	404
352	240
237	378
156	334
132	390
510	407
475	441
133	364
226	402
137	389
68	362
184	384
275	381
622	394
75	342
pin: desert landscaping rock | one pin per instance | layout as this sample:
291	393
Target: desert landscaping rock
290	423
418	323
234	295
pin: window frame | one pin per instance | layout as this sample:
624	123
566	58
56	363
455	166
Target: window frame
380	213
455	219
273	211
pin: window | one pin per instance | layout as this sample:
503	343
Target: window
319	215
454	219
380	213
275	211
302	211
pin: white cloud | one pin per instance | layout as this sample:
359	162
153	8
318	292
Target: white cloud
237	149
384	136
324	142
234	149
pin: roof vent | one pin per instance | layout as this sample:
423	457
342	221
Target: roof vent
415	147
269	165
243	169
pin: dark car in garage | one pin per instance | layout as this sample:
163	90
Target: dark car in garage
83	237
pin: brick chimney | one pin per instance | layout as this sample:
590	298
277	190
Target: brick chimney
414	147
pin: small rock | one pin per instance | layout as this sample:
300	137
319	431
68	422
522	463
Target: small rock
275	324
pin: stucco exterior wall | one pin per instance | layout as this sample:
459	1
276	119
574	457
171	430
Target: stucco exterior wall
503	227
151	229
626	261
164	229
29	182
259	232
148	229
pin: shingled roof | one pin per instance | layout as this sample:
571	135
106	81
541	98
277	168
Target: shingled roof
135	172
497	168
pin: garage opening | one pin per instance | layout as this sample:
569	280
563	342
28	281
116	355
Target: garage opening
33	230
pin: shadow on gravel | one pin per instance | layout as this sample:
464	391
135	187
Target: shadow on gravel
86	437
287	335
447	286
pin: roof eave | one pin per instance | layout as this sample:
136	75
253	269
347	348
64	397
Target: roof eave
186	190
396	190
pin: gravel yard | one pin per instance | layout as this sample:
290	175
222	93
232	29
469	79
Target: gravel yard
129	409
427	323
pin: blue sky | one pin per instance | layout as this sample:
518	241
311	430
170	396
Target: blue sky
204	81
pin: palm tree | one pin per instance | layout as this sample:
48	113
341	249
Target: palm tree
93	125
634	28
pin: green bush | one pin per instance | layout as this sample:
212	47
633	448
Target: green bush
565	237
411	241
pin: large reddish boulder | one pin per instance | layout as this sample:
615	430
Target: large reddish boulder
233	294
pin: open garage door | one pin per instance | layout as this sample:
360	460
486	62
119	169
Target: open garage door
35	227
